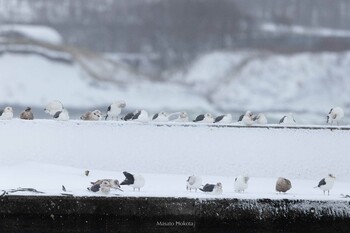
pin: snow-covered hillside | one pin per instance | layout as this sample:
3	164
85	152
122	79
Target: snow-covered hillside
34	80
304	83
46	154
308	84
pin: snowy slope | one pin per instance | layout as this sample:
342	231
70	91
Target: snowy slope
306	82
33	32
45	154
34	80
220	82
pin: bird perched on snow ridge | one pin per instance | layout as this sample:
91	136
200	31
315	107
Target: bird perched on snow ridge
53	107
288	119
61	115
241	183
92	116
104	187
115	109
225	119
283	185
27	114
135	181
113	183
326	184
194	182
6	114
204	118
247	118
160	117
182	117
335	115
212	188
129	116
260	119
141	116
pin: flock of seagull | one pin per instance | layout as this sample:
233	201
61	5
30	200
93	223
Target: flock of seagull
137	181
58	112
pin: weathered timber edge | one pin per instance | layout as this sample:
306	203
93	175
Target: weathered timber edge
154	214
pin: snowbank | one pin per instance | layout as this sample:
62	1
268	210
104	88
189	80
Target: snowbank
46	154
34	32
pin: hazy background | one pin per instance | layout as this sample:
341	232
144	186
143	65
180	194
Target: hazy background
271	56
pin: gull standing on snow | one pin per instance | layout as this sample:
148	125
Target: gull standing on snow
27	114
182	117
135	181
61	115
194	182
141	116
288	119
225	119
129	116
204	118
104	187
212	188
247	118
160	117
326	184
53	107
6	114
241	183
260	119
113	183
283	185
335	115
92	116
115	109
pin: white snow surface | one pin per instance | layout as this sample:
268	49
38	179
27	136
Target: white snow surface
32	80
302	30
46	154
34	32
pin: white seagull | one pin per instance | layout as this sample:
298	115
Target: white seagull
288	119
6	114
178	117
283	185
61	115
92	116
212	188
141	116
104	187
160	117
115	109
225	119
326	184
204	118
247	118
135	181
183	117
260	119
335	115
241	183
53	107
194	182
113	183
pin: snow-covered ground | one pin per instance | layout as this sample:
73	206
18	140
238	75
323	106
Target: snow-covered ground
46	154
